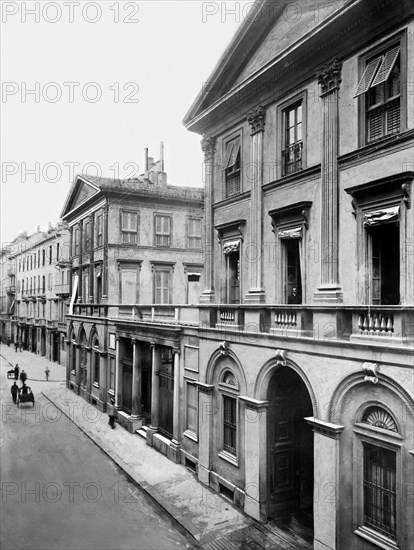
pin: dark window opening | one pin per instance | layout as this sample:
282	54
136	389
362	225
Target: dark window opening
226	492
233	277
230	424
385	265
293	284
232	167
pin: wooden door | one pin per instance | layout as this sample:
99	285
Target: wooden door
166	400
283	457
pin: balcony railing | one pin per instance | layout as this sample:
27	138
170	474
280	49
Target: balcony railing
378	323
292	158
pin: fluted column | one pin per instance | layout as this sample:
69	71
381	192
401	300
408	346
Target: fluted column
330	80
253	252
208	145
174	451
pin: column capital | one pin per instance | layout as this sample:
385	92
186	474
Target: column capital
208	146
334	431
330	76
256	119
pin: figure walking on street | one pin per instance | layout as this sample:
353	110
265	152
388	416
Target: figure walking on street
23	377
16	346
112	413
15	392
47	372
16	372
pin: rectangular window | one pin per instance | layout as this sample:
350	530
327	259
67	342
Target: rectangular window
43	257
96	367
192	407
86	237
380	490
57	251
194	233
385	264
233	277
162	230
129	285
162	286
380	86
232	167
129	227
99	230
50	254
230	424
292	151
292	275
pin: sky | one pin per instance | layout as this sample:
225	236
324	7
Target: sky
86	86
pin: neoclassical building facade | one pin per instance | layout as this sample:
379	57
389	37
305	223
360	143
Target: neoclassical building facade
305	377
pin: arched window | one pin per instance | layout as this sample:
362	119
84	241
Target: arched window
379	452
84	359
229	388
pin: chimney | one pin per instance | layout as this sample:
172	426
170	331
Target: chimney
162	156
146	159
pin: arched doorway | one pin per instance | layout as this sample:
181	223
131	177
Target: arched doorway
290	449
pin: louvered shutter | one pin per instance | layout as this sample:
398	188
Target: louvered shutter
393	117
367	76
375	125
387	65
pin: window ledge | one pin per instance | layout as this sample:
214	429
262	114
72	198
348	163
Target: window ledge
111	392
96	385
376	538
191	435
229	458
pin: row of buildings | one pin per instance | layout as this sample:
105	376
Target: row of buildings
289	388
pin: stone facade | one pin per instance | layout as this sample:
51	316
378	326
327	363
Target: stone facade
41	266
305	375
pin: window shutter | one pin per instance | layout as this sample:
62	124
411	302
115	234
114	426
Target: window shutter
393	117
367	77
387	65
375	125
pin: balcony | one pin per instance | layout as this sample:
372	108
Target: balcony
376	325
11	289
61	290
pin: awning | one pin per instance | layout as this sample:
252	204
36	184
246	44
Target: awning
74	292
295	233
384	215
231	246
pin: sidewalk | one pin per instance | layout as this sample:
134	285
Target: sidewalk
207	516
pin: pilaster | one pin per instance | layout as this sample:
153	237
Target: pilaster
326	481
255	429
256	120
174	453
136	417
91	258
208	146
156	365
205	423
330	80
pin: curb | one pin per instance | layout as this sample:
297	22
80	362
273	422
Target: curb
159	501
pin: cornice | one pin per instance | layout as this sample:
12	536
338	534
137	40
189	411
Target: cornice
232	200
304	176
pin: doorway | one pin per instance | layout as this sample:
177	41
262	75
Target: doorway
290	449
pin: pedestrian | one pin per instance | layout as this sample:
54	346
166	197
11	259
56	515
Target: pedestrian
23	377
112	413
8	341
20	345
16	372
15	392
47	372
16	346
